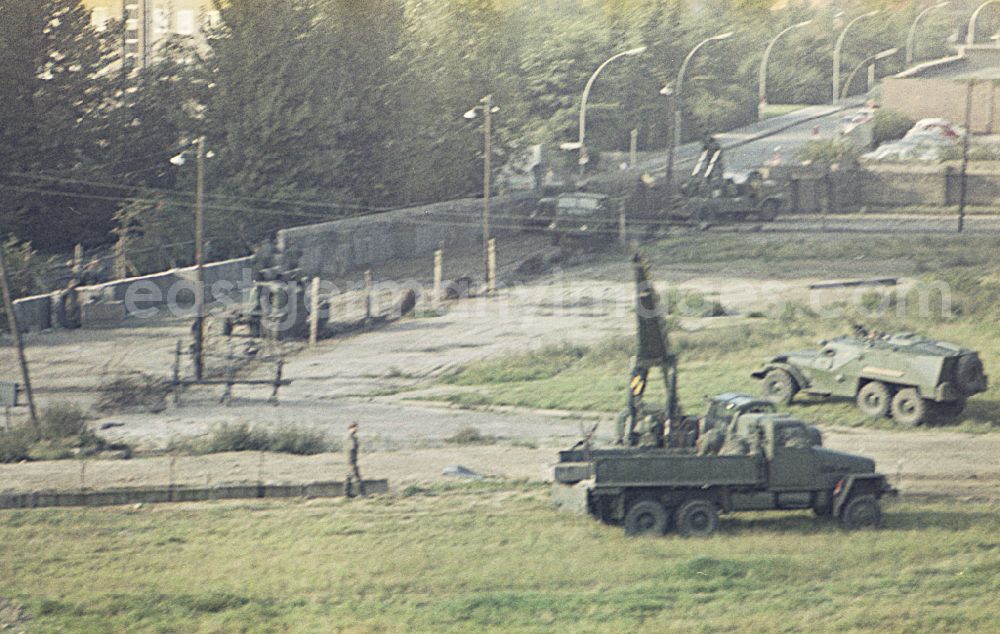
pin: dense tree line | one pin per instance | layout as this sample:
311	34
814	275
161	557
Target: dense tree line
319	109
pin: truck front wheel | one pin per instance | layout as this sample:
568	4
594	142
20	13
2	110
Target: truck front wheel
646	517
863	511
697	518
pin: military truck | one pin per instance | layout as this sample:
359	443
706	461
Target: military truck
584	217
904	375
769	462
708	195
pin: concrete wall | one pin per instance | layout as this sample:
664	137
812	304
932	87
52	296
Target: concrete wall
332	248
148	291
812	190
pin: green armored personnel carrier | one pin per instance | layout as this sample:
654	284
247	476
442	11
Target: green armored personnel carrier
910	377
768	462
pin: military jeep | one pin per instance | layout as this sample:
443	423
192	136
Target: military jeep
583	217
904	375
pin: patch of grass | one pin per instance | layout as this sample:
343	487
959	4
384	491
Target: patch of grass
488	556
242	437
63	420
16	443
544	363
778	109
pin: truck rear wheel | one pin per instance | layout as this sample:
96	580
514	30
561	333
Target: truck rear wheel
646	517
697	518
908	408
874	399
863	511
779	387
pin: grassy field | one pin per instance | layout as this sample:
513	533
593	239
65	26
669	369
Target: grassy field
484	557
720	358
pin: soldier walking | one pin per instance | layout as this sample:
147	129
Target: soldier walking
353	480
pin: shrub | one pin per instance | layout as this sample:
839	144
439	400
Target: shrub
135	391
470	436
15	444
828	152
63	420
890	125
242	437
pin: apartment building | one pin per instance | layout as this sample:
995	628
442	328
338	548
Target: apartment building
148	22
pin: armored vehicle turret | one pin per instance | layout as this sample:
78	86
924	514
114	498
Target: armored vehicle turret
904	375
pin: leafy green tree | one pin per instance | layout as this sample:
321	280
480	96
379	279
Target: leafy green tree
55	91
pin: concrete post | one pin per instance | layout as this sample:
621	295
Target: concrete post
622	235
491	266
314	312
438	274
368	297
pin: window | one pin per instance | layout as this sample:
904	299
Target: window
99	18
185	22
161	21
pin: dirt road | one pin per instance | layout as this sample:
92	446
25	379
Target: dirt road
938	463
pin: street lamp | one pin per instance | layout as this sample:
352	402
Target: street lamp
762	79
580	144
913	30
199	252
970	36
679	101
872	58
488	109
839	46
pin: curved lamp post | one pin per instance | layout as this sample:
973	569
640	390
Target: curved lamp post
762	78
913	30
839	47
488	109
679	101
199	250
581	141
872	58
970	37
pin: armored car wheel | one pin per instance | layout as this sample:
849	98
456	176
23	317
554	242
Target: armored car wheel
779	387
646	517
874	399
697	518
908	408
863	511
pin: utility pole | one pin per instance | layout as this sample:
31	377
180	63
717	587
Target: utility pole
962	185
488	125
18	342
199	262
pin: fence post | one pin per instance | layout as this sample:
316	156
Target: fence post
314	312
491	266
622	235
368	297
438	274
77	261
120	272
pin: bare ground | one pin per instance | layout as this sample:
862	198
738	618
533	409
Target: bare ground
363	377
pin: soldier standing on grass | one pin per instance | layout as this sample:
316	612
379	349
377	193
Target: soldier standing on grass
353	474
